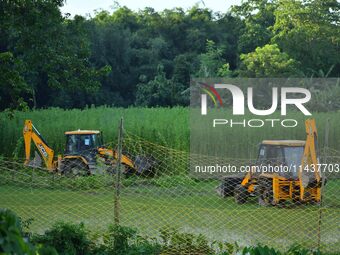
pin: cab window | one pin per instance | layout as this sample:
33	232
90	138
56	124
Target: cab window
271	154
79	143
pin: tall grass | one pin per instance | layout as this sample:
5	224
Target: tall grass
169	127
242	142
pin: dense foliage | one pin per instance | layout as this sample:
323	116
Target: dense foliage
66	238
147	58
72	239
13	240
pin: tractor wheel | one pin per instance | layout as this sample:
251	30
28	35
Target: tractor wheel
240	194
75	168
227	186
266	195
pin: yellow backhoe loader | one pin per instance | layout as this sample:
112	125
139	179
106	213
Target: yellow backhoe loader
84	153
286	170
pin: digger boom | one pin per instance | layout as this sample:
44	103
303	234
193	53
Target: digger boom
31	133
310	159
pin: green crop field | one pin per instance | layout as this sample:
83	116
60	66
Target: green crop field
165	126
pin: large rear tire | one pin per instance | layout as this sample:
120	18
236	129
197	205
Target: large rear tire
227	186
75	168
240	194
266	194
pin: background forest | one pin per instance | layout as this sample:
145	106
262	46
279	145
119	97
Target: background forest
146	58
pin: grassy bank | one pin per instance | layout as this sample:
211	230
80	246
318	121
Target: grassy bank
199	211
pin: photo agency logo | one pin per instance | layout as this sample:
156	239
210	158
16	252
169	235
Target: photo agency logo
295	96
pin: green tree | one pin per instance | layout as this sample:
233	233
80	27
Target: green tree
111	46
258	18
13	88
73	62
54	50
267	61
212	62
184	66
309	32
160	91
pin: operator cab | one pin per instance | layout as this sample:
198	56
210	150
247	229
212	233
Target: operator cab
287	153
83	142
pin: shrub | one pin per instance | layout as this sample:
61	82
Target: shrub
260	250
265	250
46	250
11	240
67	238
298	250
175	243
121	240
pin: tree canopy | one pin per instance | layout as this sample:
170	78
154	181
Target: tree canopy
147	57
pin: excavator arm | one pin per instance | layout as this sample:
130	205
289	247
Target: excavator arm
309	169
141	165
114	154
31	133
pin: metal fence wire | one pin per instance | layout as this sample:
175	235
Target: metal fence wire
161	192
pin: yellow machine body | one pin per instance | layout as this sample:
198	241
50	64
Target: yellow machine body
299	184
286	188
30	134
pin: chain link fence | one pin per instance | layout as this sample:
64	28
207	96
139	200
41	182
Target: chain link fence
161	192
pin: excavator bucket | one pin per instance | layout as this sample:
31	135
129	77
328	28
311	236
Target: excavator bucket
36	162
143	166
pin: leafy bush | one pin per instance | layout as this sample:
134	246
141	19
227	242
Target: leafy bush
11	240
298	250
118	237
176	243
46	250
260	250
265	250
67	238
125	241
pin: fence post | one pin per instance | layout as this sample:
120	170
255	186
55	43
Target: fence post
118	174
325	150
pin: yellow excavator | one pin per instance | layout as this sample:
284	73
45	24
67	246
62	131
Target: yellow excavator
291	173
84	154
